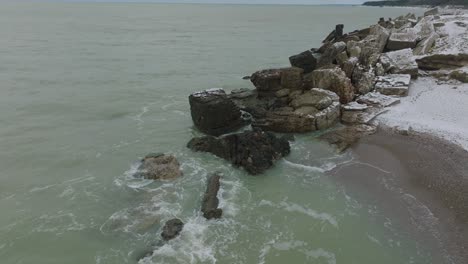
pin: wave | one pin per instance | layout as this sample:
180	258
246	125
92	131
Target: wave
292	207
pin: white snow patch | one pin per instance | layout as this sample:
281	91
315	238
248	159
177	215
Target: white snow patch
439	109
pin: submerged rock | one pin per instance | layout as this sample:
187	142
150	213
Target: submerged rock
214	113
344	137
172	229
210	199
159	167
256	151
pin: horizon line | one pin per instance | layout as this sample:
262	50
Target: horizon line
182	2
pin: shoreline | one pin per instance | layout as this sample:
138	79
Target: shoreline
420	181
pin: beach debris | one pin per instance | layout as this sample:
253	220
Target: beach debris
159	166
255	151
210	201
393	84
172	229
214	113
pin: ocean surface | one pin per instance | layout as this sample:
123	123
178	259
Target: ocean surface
87	89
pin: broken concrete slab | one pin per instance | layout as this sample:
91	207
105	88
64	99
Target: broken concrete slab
393	84
399	41
400	62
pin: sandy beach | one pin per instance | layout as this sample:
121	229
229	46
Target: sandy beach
420	181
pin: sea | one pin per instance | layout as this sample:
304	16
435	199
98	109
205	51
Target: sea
88	89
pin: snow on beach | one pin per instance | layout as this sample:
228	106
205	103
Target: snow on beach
440	109
435	106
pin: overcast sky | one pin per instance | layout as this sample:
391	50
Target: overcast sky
312	2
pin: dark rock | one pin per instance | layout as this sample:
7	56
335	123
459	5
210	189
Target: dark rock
172	229
269	81
214	113
305	60
210	200
159	166
255	151
339	30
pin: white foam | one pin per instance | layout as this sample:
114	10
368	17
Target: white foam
192	245
58	223
228	196
303	167
128	178
296	245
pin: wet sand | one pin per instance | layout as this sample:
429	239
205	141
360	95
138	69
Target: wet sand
419	181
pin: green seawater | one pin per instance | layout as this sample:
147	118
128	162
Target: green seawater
87	89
